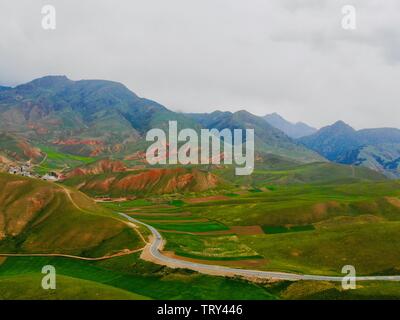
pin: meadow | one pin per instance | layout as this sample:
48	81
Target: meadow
56	160
125	277
315	229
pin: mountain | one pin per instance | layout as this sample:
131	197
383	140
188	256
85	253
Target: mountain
267	138
384	158
87	117
98	167
42	217
378	149
102	118
145	182
293	130
332	141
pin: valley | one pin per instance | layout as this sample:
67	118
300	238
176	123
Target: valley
117	227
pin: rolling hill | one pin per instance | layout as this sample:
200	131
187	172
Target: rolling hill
16	148
41	217
145	182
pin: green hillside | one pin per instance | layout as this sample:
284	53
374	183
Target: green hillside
41	217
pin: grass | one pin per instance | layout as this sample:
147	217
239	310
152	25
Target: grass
227	247
366	290
126	205
372	248
43	219
133	275
314	229
28	286
192	226
57	160
176	203
283	229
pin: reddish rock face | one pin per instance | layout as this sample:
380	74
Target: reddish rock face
101	166
155	181
72	142
29	151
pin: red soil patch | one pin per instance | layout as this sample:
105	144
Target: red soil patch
246	263
168	180
29	151
103	185
393	201
72	142
208	199
101	166
247	230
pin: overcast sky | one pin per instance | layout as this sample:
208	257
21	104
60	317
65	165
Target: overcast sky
287	56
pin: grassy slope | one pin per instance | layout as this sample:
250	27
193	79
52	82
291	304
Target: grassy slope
27	286
39	217
340	224
131	274
278	172
57	160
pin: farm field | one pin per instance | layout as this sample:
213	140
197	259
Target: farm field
56	160
314	229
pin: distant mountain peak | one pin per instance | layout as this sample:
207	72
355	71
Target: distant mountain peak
46	82
293	130
341	123
339	127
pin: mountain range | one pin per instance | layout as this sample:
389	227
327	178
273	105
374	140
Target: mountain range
378	148
268	139
293	130
99	118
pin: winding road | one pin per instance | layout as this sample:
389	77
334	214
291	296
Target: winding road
156	245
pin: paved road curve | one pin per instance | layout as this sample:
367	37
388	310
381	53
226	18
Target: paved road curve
212	269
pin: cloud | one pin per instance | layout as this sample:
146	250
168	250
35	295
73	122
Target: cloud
287	56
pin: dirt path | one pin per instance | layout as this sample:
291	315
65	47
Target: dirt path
43	160
134	226
119	254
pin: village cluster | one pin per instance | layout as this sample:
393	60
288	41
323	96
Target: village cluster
26	171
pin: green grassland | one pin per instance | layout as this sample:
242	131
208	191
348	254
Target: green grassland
28	286
209	247
314	229
191	226
132	277
368	290
56	160
41	217
280	172
373	248
126	205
